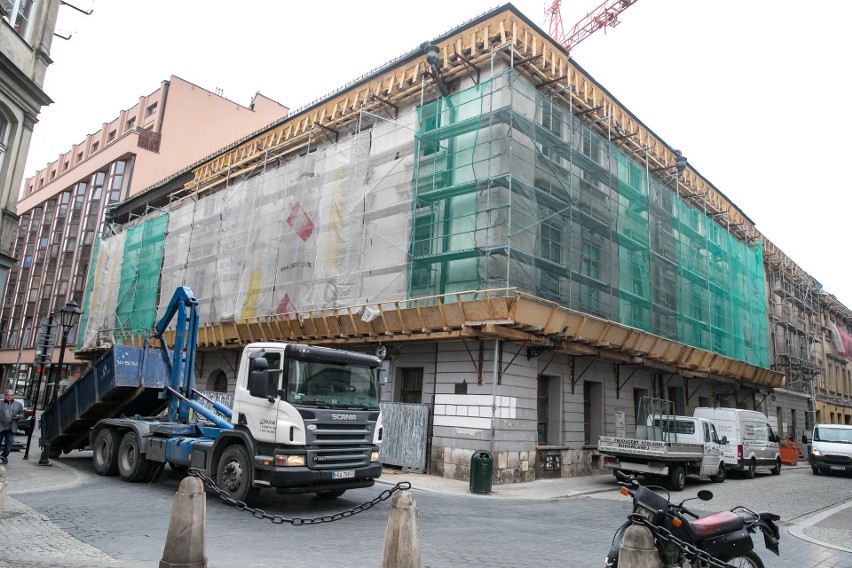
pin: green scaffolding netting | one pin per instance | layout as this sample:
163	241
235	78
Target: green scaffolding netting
140	275
513	190
123	283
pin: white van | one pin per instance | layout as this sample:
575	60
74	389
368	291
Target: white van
831	448
752	445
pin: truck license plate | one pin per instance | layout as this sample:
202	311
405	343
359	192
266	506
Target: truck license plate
840	467
348	474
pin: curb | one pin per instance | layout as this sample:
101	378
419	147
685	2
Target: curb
798	530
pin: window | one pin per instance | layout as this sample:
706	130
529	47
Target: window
218	381
151	109
430	120
131	123
411	386
3	130
590	263
95	146
19	14
111	136
550	241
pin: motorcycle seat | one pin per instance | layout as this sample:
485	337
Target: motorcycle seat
723	522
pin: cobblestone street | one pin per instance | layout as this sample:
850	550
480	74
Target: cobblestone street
100	521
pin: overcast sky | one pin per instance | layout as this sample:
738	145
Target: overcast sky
753	93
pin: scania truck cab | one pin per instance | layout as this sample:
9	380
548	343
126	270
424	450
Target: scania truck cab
307	417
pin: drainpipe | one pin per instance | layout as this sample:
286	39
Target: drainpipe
494	394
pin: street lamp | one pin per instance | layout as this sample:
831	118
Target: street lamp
68	317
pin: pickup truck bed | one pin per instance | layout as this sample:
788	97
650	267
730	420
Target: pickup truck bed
124	381
650	449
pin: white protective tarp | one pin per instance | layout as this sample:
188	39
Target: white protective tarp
100	319
329	228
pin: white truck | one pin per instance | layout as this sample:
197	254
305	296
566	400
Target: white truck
671	447
752	445
305	419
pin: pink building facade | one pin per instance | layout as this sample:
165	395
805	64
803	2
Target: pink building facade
62	206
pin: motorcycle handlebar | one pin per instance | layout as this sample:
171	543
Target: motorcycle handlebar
683	509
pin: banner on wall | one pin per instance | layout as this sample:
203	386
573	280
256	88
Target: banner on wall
842	341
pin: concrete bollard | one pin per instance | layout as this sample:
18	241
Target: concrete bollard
185	540
402	537
2	487
638	550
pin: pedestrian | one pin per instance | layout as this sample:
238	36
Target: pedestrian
10	412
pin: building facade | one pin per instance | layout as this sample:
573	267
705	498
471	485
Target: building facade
26	33
63	206
535	260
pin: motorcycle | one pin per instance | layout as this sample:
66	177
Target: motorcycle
684	540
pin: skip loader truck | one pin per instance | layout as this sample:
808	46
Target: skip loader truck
305	419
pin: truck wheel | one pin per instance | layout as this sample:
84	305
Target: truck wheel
776	470
721	474
105	451
132	465
815	470
235	474
677	478
752	469
326	495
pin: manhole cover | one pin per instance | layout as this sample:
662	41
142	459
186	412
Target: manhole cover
10	514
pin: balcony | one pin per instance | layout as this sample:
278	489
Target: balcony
149	140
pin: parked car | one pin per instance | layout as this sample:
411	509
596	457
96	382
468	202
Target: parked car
27	419
831	448
752	444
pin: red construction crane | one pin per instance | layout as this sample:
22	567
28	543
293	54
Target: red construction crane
605	15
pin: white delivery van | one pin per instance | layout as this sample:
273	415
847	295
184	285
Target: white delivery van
752	445
831	448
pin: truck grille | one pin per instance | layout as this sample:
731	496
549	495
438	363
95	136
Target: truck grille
336	444
837	459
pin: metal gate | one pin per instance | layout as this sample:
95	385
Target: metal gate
406	428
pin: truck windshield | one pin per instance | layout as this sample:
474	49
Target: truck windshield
332	385
836	435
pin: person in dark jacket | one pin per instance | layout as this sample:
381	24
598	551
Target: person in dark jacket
10	412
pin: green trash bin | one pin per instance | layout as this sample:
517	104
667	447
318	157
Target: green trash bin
481	466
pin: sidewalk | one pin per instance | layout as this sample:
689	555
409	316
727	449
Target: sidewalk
30	540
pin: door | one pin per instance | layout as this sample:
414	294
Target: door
260	414
712	450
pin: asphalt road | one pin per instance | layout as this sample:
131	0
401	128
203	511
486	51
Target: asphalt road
130	522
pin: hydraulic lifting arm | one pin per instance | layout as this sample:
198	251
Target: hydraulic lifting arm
182	358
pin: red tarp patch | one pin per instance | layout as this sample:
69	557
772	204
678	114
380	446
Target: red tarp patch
300	222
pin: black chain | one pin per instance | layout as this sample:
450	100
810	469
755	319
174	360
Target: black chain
297	521
663	534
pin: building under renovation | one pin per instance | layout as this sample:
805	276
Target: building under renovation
533	257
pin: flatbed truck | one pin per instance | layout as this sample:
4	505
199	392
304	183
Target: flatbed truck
680	446
305	419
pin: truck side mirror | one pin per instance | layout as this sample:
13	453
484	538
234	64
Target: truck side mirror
257	383
724	441
258	380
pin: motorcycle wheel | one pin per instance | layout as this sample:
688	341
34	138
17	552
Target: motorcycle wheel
747	560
